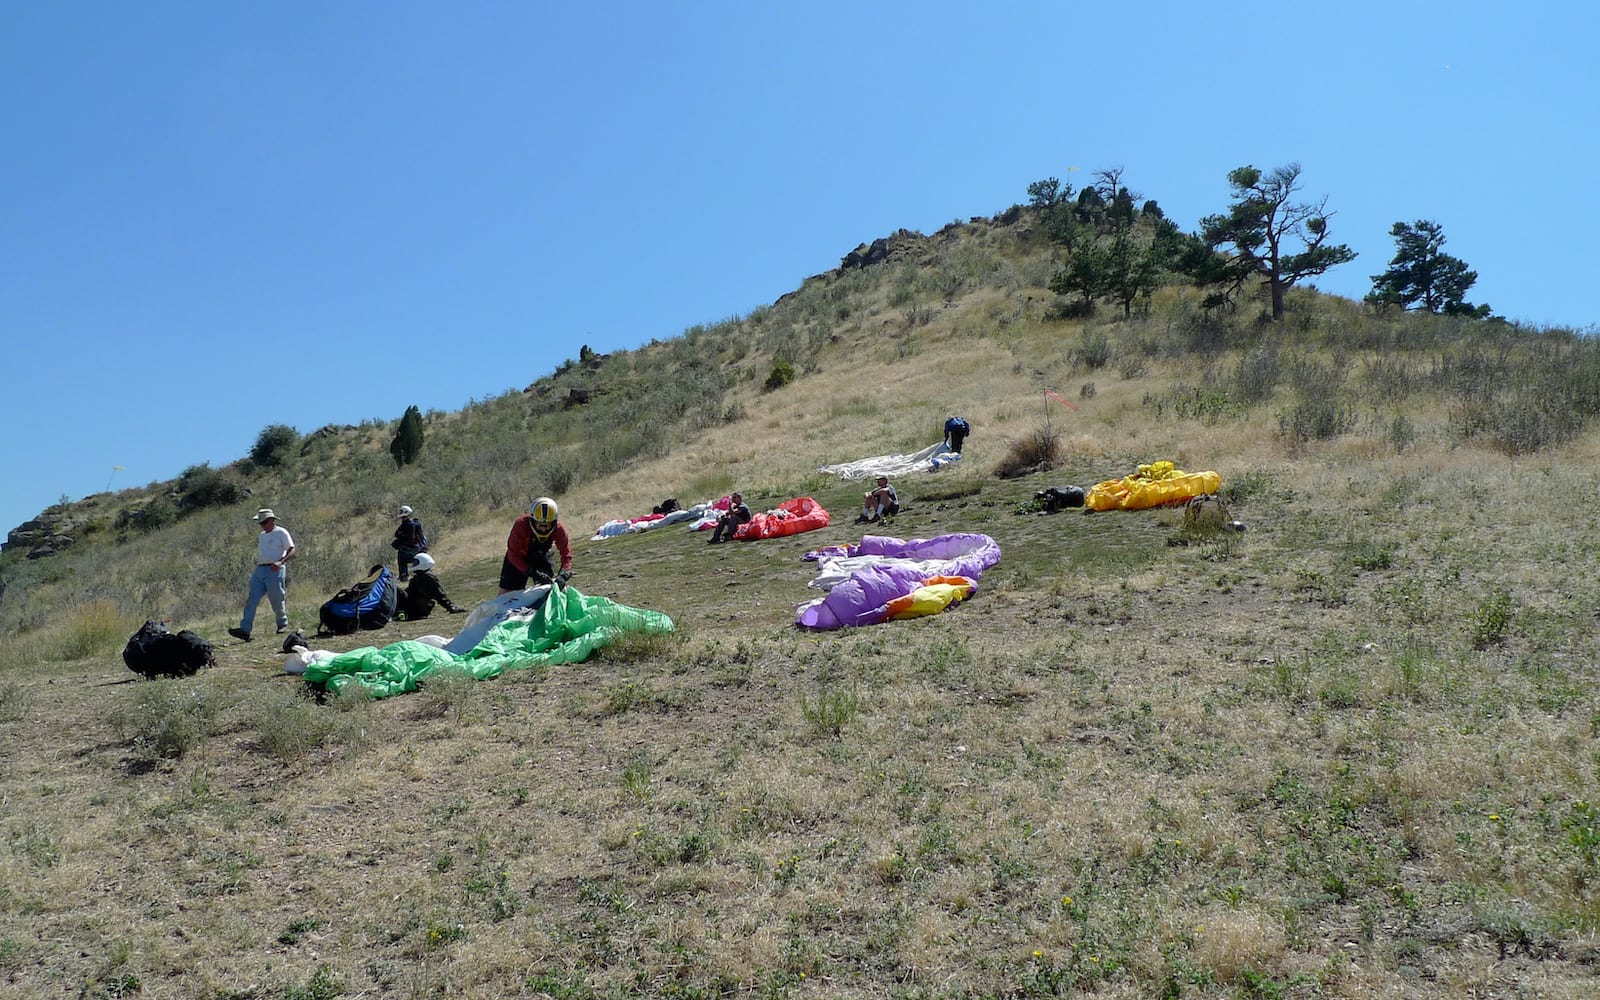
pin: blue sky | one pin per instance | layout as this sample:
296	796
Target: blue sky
216	216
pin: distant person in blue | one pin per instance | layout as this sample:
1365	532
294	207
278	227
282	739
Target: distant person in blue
409	540
274	549
956	430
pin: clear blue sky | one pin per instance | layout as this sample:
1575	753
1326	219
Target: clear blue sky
219	216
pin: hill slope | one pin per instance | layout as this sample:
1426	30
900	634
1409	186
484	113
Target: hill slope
1350	752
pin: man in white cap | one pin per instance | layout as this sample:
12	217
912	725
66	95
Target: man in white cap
274	549
409	539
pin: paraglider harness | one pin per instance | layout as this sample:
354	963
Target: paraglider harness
1059	498
154	651
368	604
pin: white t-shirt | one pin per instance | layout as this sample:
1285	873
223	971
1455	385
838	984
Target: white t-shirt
272	546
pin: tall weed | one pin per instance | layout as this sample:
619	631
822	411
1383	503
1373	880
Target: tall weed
92	629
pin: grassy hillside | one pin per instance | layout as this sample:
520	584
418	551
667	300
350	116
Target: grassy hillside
1353	751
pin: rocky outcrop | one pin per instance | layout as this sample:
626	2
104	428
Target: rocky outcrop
900	244
45	535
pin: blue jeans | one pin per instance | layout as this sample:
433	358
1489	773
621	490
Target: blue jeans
269	583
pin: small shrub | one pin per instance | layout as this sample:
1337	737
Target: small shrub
559	472
1256	376
1094	350
1582	824
167	720
1490	621
832	710
202	487
36	845
1315	419
628	696
290	724
1207	405
1366	554
323	985
1533	421
781	375
158	512
1064	308
446	693
1400	434
1039	450
1242	487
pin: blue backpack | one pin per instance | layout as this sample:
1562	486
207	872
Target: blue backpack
368	604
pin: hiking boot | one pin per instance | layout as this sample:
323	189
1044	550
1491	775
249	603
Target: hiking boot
240	634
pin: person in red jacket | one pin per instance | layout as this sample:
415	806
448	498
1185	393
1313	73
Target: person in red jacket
528	548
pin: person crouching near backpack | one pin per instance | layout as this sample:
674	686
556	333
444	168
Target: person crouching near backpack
274	549
424	590
528	548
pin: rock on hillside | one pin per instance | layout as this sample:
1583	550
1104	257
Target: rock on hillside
45	535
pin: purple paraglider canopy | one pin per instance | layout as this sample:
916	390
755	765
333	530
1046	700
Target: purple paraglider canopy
862	579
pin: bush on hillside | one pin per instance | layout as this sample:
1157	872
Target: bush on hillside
781	375
202	487
274	446
158	512
1036	452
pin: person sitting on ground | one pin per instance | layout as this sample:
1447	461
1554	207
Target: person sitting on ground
880	502
956	430
528	548
409	539
417	600
737	514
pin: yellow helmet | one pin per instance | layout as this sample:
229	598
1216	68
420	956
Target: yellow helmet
544	516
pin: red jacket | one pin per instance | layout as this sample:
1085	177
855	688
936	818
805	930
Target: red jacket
522	537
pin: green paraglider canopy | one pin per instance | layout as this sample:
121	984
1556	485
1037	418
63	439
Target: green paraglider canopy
566	628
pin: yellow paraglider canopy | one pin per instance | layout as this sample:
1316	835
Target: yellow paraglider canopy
1153	485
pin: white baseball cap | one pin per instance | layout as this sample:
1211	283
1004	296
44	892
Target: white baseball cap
405	511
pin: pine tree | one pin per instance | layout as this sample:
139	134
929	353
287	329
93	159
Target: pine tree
408	438
1422	276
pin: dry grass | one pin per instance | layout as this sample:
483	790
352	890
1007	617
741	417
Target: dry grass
1348	753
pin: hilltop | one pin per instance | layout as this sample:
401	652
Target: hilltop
1352	751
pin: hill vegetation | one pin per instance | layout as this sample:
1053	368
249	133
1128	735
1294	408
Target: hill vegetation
1352	751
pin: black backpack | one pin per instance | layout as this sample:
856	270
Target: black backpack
154	651
368	604
1058	497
